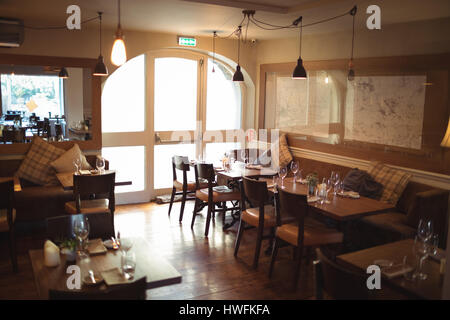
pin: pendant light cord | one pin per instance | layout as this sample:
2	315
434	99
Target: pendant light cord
301	31
214	47
100	31
353	33
119	15
239	42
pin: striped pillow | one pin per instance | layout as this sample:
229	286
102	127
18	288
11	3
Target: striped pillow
36	165
394	181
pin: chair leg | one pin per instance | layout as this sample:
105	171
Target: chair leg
172	197
224	205
208	218
297	266
258	247
183	202
12	249
194	214
274	255
239	237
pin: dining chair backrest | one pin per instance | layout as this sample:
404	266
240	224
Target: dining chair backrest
180	163
255	191
251	154
130	291
61	227
101	184
292	205
7	197
338	282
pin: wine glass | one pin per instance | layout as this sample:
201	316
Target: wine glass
77	165
329	185
282	174
244	156
126	244
81	232
100	164
425	229
421	250
294	169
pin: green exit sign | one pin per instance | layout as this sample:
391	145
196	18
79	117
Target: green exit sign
187	41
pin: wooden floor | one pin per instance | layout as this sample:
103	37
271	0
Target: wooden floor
207	265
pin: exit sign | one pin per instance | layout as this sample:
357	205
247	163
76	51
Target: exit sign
187	41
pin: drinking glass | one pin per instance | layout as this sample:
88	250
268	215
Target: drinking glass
100	164
81	232
329	186
275	183
421	250
244	156
434	244
128	264
77	165
408	263
282	174
294	169
425	229
126	244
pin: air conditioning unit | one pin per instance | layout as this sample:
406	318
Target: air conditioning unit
11	33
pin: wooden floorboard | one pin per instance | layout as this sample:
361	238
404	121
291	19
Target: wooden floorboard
207	265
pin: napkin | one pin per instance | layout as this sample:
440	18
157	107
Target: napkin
51	254
113	276
96	246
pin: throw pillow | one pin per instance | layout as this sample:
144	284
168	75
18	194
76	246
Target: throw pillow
394	181
280	153
65	162
36	165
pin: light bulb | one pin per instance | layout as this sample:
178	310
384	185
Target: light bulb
326	79
118	53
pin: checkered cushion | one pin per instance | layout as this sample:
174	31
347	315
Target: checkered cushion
36	165
394	181
280	153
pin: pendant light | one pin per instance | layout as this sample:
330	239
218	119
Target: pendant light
100	67
238	76
119	53
63	74
214	50
351	71
299	71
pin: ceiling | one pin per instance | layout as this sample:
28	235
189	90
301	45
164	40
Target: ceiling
201	17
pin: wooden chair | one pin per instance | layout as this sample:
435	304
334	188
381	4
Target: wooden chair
337	282
130	291
185	187
210	196
61	227
100	187
8	216
306	232
261	216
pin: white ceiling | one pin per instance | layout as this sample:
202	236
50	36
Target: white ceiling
201	17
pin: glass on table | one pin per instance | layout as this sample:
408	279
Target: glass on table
282	173
425	229
77	165
128	264
81	232
294	169
421	250
100	164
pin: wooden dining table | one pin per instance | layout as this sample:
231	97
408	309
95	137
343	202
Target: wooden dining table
430	288
66	180
149	264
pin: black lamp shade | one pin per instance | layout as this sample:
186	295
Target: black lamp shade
100	68
238	76
299	71
63	73
351	75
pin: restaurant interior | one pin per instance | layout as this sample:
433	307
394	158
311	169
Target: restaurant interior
224	150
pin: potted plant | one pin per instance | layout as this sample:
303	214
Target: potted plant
312	180
68	247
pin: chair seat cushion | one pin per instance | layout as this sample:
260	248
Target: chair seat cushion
315	233
251	216
202	194
190	185
4	219
88	206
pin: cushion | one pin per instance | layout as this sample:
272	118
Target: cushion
394	181
361	182
36	165
65	162
280	154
